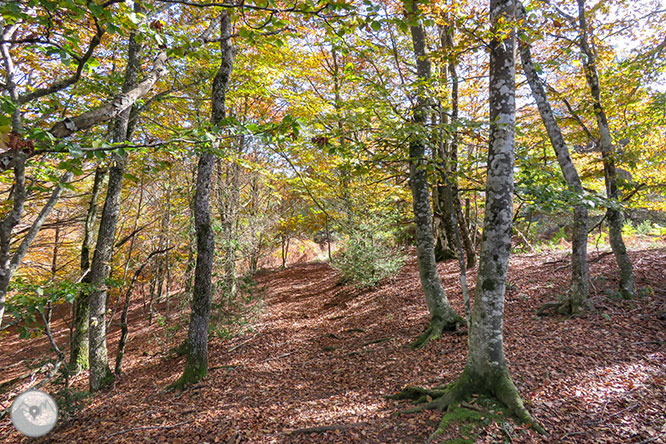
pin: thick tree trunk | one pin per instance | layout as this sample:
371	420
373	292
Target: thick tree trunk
486	371
7	226
442	315
79	341
485	363
100	374
613	214
196	366
578	295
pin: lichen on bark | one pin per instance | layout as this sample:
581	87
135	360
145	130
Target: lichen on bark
486	371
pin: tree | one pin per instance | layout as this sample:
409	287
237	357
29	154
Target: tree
486	371
100	374
608	153
196	366
21	147
446	199
442	315
79	343
577	297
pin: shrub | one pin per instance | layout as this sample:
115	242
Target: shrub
368	256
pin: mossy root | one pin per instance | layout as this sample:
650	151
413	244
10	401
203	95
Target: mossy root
434	331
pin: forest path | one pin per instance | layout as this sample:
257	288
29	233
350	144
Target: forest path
327	355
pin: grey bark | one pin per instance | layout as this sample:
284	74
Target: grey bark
578	295
79	341
486	353
486	370
100	374
119	106
613	213
196	366
442	315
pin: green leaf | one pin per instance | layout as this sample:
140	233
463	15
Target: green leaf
75	150
96	9
376	26
131	177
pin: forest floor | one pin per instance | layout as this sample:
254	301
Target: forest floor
321	355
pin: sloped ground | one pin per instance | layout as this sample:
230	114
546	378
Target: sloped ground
327	355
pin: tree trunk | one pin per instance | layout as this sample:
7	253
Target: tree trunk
442	316
196	366
446	198
79	343
100	374
486	372
613	214
578	295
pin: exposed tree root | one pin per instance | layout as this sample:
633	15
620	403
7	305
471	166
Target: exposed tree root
565	308
461	391
192	375
434	331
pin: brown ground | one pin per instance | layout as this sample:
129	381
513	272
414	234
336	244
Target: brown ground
327	355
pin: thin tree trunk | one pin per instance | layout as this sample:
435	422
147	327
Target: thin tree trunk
228	202
613	213
9	263
124	330
130	250
79	341
192	235
442	315
462	233
100	374
196	366
578	295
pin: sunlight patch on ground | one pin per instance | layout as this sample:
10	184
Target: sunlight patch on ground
599	385
622	383
336	409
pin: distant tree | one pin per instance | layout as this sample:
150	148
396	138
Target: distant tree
608	153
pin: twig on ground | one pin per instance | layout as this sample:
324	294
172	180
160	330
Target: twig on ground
236	347
283	355
654	438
